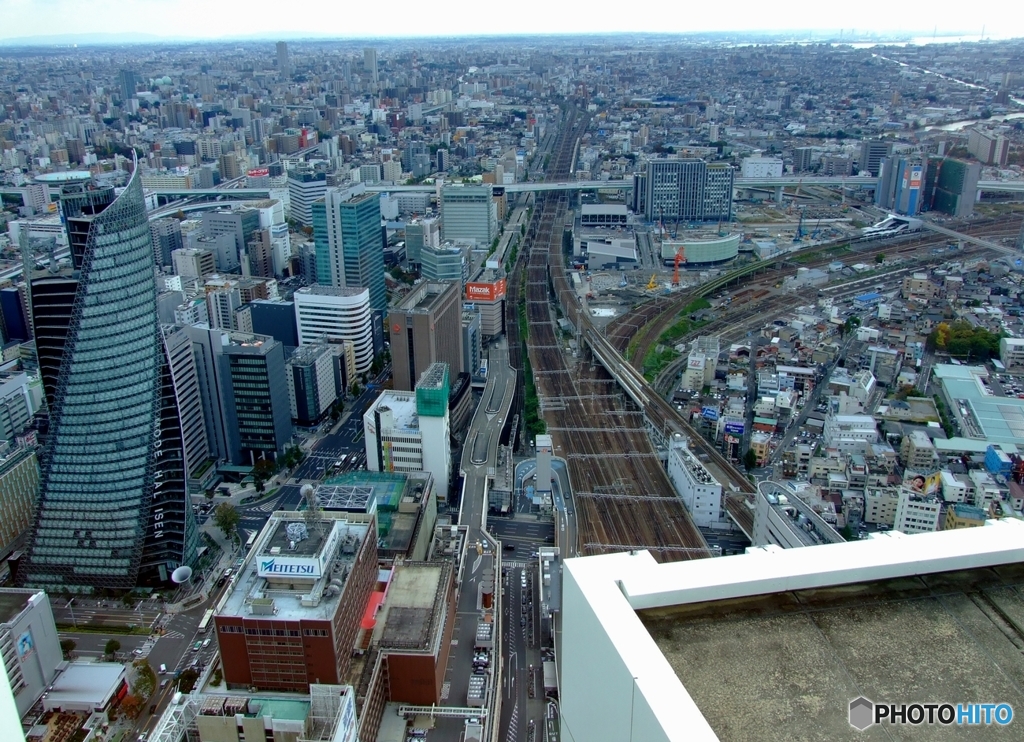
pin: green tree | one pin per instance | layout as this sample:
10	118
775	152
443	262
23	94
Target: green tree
111	647
262	471
355	389
880	258
145	679
226	517
187	680
750	459
67	646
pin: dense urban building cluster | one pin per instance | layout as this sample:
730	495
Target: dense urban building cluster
303	346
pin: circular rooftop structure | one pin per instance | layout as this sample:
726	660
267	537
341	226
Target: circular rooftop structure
69	176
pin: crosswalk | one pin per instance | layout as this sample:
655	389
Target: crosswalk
514	564
174	635
446	688
512	734
146	648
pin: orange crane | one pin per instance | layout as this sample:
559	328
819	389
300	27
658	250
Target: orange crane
680	258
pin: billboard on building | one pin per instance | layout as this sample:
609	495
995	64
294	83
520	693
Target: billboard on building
734	428
922	484
275	566
491	291
709	413
259	172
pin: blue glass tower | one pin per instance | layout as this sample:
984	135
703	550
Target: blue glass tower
113	509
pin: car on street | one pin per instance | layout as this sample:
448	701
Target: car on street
197	646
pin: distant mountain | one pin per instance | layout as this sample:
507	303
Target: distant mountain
85	39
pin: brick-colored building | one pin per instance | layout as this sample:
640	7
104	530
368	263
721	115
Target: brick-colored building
294	611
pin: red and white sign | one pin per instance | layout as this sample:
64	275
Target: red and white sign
259	172
486	291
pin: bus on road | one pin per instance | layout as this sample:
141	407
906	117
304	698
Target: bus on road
251	540
204	625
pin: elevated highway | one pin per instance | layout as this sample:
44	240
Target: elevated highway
789	181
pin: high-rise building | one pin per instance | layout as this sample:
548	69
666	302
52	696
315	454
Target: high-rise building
229	167
257	400
420	233
471	353
113	508
305	186
686	189
872	152
311	384
951	185
329	313
185	379
900	184
275	318
128	81
424	329
447	262
239	223
803	157
19	490
260	254
409	432
29	647
283	66
370	66
221	305
192	262
469	213
349	229
988	147
166	236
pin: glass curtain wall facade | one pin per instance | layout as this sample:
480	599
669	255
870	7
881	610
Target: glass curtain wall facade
363	247
112	509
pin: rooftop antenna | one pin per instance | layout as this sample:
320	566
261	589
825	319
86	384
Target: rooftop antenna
312	515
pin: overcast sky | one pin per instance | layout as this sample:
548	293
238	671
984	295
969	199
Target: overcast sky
352	18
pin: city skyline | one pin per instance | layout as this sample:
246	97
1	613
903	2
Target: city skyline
116	22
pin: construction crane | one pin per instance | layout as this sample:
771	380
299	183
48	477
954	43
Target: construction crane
680	258
800	227
653	283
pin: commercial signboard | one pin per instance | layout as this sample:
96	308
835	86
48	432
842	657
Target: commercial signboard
280	566
259	172
709	413
734	428
491	291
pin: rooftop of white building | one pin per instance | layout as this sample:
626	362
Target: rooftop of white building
296	596
402	406
775	643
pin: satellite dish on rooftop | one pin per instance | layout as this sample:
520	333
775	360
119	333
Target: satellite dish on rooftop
181	575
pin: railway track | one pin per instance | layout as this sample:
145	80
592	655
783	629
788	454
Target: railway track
643	327
623	497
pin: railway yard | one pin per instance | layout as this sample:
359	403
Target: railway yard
624	499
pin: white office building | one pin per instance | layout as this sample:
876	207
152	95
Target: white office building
410	432
29	645
325	313
761	167
917	514
469	213
699	491
849	432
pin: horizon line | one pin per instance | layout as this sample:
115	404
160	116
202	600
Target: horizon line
825	34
